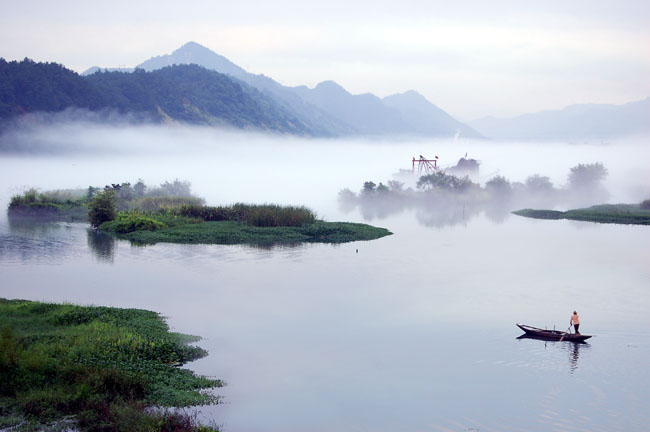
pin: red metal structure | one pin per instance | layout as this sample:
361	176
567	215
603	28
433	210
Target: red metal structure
428	166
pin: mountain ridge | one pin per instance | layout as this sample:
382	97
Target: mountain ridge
327	116
577	121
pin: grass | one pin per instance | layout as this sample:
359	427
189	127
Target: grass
229	232
59	205
632	214
98	367
238	224
261	215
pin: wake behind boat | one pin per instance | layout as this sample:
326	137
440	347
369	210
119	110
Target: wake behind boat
552	334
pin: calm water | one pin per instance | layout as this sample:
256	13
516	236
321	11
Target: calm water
415	332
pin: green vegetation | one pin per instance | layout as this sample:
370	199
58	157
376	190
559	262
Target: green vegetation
237	224
97	205
65	205
186	93
102	208
99	368
169	213
606	213
265	215
230	232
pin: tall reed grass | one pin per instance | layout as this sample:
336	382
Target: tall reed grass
263	215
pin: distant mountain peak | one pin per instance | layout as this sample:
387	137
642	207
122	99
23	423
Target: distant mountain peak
192	47
194	53
329	85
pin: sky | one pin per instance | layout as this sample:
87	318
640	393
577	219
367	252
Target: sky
471	58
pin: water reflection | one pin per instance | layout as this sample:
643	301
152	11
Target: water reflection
571	347
430	213
102	245
30	239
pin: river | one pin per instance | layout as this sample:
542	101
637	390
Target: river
412	332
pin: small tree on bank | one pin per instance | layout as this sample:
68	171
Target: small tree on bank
102	208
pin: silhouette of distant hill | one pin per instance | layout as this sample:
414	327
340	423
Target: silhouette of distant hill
586	121
425	118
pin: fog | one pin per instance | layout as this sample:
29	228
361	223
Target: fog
226	166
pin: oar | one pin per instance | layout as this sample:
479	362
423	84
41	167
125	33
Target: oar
565	333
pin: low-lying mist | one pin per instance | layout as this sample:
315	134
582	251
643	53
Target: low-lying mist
226	167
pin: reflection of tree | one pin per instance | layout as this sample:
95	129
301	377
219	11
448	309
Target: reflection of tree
102	245
447	214
497	213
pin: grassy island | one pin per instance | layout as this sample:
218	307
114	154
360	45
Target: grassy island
93	368
635	214
238	224
170	213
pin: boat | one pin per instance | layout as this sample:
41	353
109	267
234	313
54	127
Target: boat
552	334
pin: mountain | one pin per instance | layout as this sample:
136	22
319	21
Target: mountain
585	121
424	118
328	108
365	112
28	86
185	93
193	53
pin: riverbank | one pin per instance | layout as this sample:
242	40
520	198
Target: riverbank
96	368
630	214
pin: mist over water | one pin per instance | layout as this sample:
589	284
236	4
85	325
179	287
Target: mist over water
414	331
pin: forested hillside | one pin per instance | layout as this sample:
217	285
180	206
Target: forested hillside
184	93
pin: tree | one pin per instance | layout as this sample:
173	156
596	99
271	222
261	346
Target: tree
498	186
539	184
102	208
140	188
176	188
587	176
382	188
395	185
441	180
368	187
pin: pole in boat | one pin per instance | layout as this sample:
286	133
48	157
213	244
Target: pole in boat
565	333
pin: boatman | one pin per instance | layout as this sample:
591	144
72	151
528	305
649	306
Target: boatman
575	322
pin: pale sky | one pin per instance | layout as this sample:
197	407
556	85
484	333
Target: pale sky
471	58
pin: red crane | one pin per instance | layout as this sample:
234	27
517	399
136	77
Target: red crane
428	166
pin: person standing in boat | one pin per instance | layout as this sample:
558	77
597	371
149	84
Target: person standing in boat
575	322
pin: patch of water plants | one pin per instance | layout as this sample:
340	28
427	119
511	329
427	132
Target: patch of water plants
97	369
632	214
237	224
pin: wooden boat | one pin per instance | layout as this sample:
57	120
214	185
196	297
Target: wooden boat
552	334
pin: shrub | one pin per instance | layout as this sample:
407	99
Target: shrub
102	208
125	223
645	205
